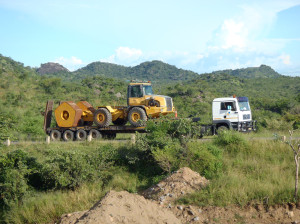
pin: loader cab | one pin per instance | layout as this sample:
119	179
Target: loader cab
138	92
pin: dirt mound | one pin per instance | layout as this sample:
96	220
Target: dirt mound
122	207
179	183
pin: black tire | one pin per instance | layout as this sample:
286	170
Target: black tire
80	135
221	129
102	117
137	117
68	135
120	122
55	135
95	134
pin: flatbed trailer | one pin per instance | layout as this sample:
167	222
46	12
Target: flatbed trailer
81	132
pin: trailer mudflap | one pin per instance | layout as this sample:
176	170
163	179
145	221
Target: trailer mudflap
48	115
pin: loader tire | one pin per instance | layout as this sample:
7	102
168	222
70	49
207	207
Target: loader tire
120	122
137	117
55	135
68	135
102	117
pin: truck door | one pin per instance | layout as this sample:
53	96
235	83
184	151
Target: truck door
228	111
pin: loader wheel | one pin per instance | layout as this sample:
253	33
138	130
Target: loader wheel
68	135
102	117
137	117
120	122
95	134
81	135
55	135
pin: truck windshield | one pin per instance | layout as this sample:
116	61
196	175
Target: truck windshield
244	106
148	90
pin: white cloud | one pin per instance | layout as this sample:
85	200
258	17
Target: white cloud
234	34
72	63
125	56
286	59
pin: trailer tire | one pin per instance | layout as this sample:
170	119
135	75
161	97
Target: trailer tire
120	121
55	135
95	134
81	135
102	117
137	117
68	135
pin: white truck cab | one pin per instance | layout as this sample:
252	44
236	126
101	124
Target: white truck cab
232	113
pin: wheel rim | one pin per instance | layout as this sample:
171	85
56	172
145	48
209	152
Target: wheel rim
135	117
68	136
101	117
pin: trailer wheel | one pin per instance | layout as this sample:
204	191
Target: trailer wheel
120	121
55	135
102	117
95	134
68	135
137	117
81	135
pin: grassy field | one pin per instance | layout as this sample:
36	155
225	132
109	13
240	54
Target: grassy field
253	171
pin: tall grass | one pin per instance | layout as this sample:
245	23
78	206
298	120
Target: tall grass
259	171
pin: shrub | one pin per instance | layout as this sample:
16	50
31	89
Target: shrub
232	141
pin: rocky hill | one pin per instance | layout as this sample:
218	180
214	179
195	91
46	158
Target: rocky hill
51	68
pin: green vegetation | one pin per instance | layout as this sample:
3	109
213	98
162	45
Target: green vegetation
253	172
37	179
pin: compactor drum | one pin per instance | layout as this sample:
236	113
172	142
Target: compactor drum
68	114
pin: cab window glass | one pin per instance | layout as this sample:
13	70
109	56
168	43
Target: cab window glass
227	106
136	91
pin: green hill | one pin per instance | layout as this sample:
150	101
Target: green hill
156	71
263	71
24	93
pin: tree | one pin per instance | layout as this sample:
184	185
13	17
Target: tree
296	150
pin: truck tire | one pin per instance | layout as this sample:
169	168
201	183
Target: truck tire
95	134
120	122
80	135
68	135
221	129
55	135
102	117
137	117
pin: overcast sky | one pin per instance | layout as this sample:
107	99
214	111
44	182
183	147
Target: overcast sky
202	36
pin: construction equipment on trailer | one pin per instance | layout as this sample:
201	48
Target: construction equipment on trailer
76	120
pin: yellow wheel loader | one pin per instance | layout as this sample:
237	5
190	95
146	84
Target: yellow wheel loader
76	120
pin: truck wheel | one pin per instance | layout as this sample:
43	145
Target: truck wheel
222	129
80	135
95	134
68	135
137	117
55	135
120	121
102	117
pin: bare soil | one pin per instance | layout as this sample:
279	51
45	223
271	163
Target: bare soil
159	206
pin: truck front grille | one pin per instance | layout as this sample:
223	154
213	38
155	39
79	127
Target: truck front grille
169	103
246	116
